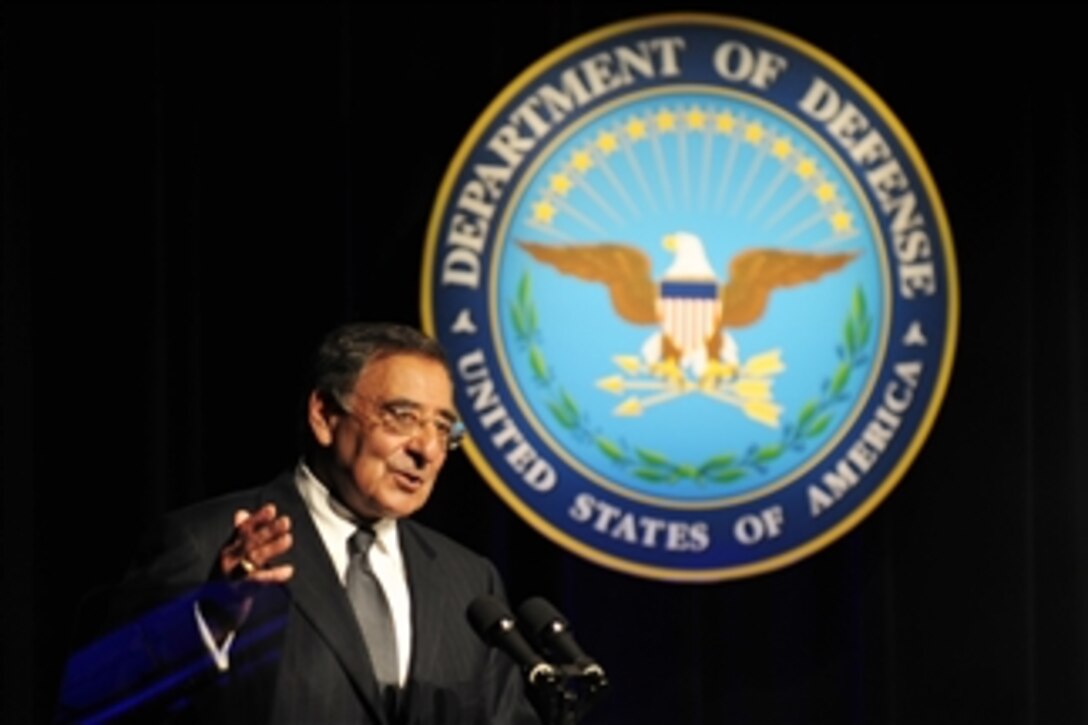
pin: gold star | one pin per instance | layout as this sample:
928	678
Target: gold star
781	148
724	122
805	168
665	121
840	221
695	118
543	212
636	129
825	192
606	142
753	133
581	161
560	184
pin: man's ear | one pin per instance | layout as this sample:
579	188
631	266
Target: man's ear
322	416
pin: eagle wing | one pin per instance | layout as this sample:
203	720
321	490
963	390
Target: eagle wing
626	272
754	274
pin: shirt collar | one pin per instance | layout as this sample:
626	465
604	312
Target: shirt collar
335	522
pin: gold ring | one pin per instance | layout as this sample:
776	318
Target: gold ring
248	565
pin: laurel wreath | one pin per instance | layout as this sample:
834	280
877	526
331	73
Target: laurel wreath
725	468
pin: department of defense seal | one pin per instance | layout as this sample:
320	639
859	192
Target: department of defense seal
699	293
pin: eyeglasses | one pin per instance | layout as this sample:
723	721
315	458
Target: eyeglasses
403	419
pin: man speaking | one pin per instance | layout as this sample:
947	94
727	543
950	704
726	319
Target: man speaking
315	598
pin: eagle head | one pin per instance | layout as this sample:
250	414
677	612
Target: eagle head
690	262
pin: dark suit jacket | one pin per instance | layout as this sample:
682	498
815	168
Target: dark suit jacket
300	657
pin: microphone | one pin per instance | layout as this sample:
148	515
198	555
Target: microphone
495	624
551	631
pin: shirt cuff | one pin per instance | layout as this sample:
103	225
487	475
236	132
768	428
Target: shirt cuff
220	654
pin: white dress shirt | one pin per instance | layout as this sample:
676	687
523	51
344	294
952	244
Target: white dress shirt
336	524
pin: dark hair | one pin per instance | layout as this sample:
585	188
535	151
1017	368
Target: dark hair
348	349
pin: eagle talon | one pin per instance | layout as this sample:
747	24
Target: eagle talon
670	371
717	374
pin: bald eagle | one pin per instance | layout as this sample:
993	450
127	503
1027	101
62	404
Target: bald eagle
692	310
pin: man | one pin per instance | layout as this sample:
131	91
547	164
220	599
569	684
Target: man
273	571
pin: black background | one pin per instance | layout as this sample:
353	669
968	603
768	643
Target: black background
193	194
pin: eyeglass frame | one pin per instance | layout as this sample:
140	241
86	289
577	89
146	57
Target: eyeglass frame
402	418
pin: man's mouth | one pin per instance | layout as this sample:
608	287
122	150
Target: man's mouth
408	479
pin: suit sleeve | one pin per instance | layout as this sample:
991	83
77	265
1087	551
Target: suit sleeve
149	650
150	658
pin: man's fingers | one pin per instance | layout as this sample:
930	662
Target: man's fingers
263	554
256	528
255	550
269	533
259	537
246	521
273	575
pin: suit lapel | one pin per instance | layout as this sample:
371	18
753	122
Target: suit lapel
429	601
319	596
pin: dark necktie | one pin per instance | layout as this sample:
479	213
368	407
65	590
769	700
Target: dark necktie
372	609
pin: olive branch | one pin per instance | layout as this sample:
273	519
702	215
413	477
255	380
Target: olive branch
725	468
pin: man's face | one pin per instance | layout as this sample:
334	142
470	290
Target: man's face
377	462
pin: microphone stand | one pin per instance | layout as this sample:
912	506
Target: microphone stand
569	694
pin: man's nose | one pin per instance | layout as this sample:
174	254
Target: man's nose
427	442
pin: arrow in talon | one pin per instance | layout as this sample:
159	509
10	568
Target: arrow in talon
618	384
628	363
614	384
635	406
753	388
765	363
763	411
724	396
